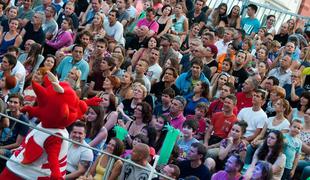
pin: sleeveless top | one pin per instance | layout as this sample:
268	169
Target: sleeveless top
161	27
296	116
5	44
100	171
177	25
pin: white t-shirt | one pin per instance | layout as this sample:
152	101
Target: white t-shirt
283	125
115	31
255	120
75	155
19	70
154	72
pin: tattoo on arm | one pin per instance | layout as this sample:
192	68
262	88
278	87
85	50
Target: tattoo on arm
85	164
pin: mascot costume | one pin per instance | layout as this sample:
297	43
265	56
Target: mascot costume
41	155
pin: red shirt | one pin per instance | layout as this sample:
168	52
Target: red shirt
201	122
222	124
243	101
216	106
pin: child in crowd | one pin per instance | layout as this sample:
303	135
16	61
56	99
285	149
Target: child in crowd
200	116
292	149
166	98
185	142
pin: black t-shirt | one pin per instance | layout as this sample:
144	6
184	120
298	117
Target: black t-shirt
192	19
281	39
98	79
73	16
17	129
157	89
240	76
134	43
37	36
202	172
5	25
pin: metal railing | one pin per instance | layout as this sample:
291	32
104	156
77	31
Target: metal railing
263	11
110	162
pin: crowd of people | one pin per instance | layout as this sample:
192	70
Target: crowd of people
236	88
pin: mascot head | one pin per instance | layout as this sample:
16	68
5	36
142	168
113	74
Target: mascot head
58	105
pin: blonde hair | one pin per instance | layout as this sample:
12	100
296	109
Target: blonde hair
141	86
78	74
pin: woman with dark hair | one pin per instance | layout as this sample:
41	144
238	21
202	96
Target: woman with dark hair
233	18
172	63
142	116
63	38
217	85
200	94
179	25
192	34
97	78
125	91
262	171
167	79
33	61
262	56
161	131
217	15
50	63
96	133
109	119
272	152
263	69
164	21
150	133
98	169
143	53
303	105
10	38
233	144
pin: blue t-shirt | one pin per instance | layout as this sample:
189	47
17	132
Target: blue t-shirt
191	104
185	146
250	25
292	145
66	65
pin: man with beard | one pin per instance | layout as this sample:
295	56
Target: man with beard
239	73
222	122
79	157
154	71
232	169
